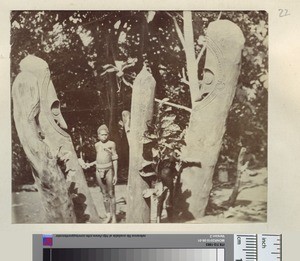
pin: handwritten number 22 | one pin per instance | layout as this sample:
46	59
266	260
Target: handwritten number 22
283	12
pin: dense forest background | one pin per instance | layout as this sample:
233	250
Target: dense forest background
94	58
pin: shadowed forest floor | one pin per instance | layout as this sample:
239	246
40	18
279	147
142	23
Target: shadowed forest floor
250	206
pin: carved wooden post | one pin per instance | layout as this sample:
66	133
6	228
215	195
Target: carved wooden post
126	122
143	92
39	122
204	136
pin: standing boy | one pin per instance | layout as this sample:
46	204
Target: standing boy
106	171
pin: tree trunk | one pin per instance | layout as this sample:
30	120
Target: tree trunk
112	91
191	63
240	169
39	122
113	120
143	92
208	118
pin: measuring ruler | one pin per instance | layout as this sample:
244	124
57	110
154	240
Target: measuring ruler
158	247
257	247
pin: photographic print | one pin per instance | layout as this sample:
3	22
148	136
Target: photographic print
139	116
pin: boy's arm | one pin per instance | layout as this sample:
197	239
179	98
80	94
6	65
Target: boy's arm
92	163
84	164
114	158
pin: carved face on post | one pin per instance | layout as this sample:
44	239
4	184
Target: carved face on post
54	106
30	114
224	42
49	103
40	126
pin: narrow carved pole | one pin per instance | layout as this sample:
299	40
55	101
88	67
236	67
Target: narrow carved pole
126	123
143	92
207	124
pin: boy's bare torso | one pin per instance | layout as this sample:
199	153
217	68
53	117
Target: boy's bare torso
104	152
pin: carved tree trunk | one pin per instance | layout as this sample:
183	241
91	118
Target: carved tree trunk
208	118
126	122
143	92
39	122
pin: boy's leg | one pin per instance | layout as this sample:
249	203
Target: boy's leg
111	192
100	175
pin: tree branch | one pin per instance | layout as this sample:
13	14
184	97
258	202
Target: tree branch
178	30
201	53
184	79
180	35
180	16
191	64
240	170
174	105
161	101
127	83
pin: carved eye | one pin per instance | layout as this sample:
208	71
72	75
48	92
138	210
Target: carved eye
55	108
208	76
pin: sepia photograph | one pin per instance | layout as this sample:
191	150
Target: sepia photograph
139	116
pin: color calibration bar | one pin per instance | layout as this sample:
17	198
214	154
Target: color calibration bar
133	254
157	247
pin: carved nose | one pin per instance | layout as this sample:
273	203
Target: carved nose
55	109
61	122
